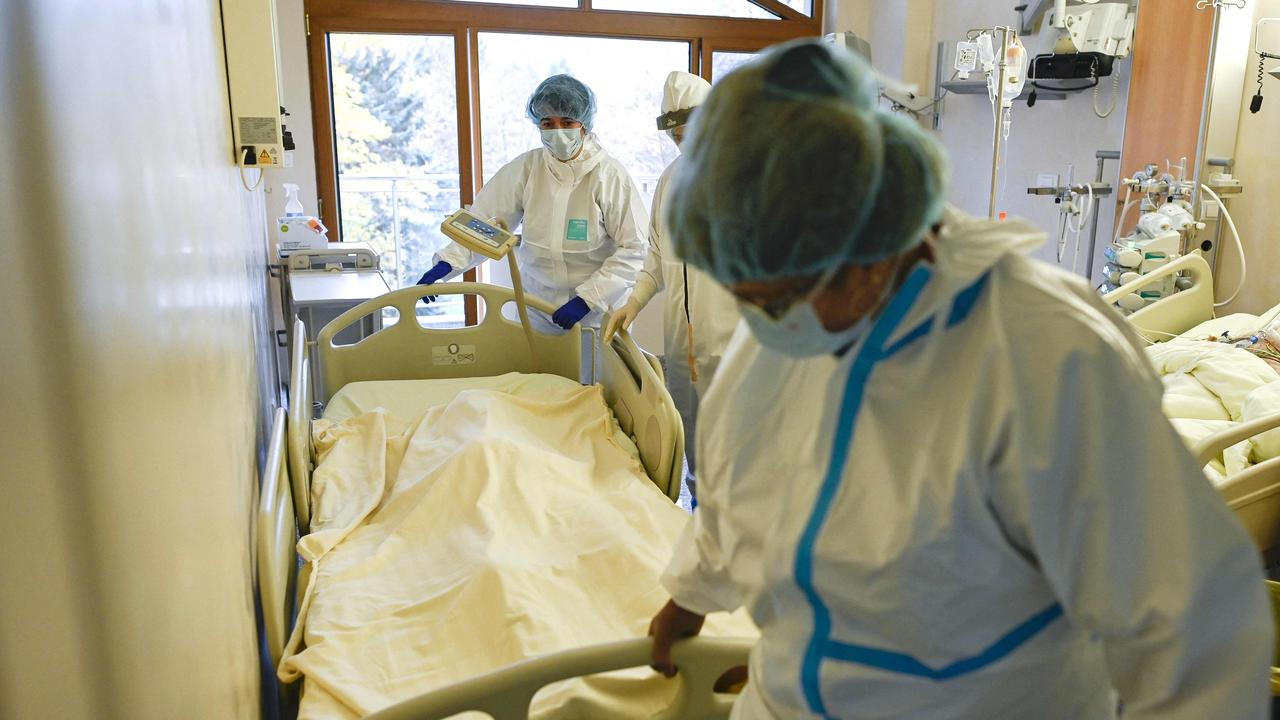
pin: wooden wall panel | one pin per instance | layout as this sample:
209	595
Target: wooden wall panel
1166	94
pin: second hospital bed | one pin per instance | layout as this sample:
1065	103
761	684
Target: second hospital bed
405	366
1176	326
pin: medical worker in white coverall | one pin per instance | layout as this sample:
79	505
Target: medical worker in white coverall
584	230
699	315
933	470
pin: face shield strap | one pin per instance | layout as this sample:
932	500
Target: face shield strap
674	119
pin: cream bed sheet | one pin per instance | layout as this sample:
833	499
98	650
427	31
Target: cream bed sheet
1208	387
495	527
411	398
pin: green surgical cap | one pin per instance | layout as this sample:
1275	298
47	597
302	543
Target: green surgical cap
790	169
563	96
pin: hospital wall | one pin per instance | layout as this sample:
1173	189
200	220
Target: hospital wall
134	325
1259	171
1043	140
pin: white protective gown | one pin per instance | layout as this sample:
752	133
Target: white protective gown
584	229
988	517
712	308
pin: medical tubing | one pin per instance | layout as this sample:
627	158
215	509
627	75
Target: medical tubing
1120	220
1083	218
688	321
518	286
1244	263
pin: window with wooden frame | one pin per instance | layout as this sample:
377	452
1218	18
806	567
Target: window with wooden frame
417	102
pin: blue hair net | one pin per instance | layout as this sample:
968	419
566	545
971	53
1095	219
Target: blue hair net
790	169
563	96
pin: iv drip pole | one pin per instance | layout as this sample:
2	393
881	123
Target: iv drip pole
1001	65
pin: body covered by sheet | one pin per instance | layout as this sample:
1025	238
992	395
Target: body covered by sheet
492	529
1209	387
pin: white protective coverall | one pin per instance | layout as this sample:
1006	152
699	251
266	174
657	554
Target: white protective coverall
978	511
711	307
584	229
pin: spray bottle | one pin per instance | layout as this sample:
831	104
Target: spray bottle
297	230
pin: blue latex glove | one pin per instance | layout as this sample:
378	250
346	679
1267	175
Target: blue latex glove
434	275
571	313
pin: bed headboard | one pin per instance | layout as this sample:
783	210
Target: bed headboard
1179	312
408	351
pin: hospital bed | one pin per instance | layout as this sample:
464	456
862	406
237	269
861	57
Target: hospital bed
405	351
1254	492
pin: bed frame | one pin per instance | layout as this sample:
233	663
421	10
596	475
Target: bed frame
1254	493
634	390
1175	313
633	387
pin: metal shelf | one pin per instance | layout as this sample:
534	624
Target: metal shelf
979	87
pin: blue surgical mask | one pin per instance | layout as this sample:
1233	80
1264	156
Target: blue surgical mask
563	143
799	333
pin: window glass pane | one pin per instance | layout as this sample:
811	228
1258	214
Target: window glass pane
543	3
626	76
804	6
395	122
724	61
722	8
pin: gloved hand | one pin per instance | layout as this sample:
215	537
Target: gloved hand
621	319
571	313
434	275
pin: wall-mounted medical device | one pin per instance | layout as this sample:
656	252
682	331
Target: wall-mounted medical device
1085	38
1266	42
253	79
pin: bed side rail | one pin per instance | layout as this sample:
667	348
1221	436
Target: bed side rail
408	351
1211	447
299	426
276	536
1253	493
635	391
1175	313
506	694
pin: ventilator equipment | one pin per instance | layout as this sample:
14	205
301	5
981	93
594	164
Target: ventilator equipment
1166	229
491	239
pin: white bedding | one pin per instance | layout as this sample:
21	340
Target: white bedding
1211	386
505	523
